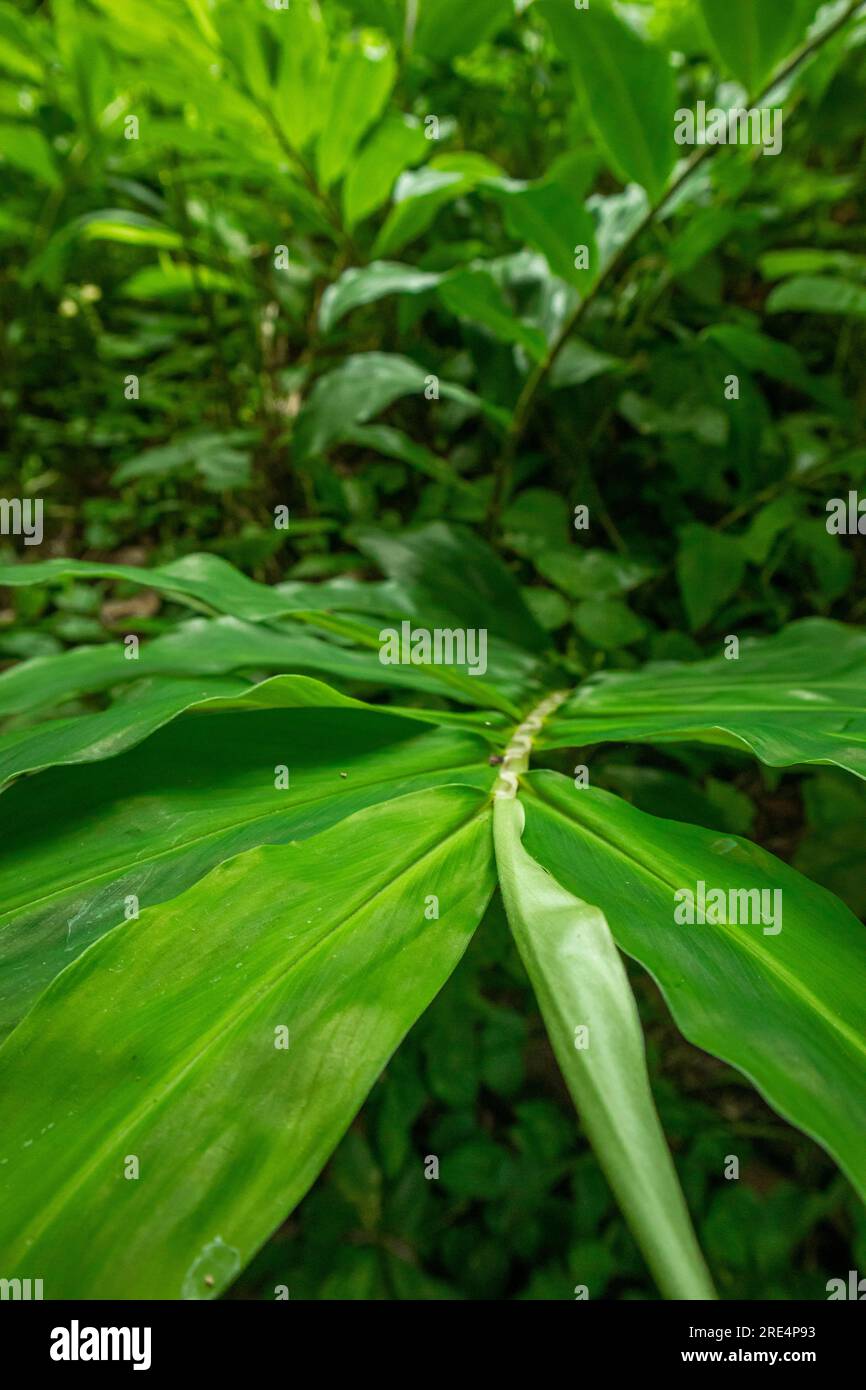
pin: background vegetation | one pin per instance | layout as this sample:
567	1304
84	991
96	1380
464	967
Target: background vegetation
221	257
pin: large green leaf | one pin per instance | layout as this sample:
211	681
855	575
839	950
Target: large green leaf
473	294
330	940
220	646
26	148
302	72
627	85
206	580
784	1000
80	840
593	1023
710	568
92	737
799	697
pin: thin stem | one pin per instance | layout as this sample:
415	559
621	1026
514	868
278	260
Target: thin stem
322	197
538	376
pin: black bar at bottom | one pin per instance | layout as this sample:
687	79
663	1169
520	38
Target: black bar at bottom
66	1338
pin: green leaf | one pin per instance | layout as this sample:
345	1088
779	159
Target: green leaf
225	645
26	148
206	580
779	361
452	576
92	737
367	284
817	294
786	1007
777	265
474	295
628	88
127	229
396	144
83	841
591	574
220	459
183	1008
168	280
592	1019
753	35
608	623
579	362
420	194
537	522
550	216
360	84
797	697
16	45
447	28
299	100
395	444
361	387
710	568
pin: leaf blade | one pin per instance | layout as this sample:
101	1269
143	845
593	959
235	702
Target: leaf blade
213	1174
786	1009
580	981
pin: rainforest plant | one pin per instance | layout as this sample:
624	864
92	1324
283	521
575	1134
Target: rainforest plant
229	902
324	293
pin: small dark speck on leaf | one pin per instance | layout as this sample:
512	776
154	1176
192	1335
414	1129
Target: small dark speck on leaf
495	760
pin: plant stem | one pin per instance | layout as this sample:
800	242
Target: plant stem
516	759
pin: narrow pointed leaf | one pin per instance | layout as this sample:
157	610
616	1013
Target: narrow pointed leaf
628	88
798	697
581	984
206	580
93	737
224	645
